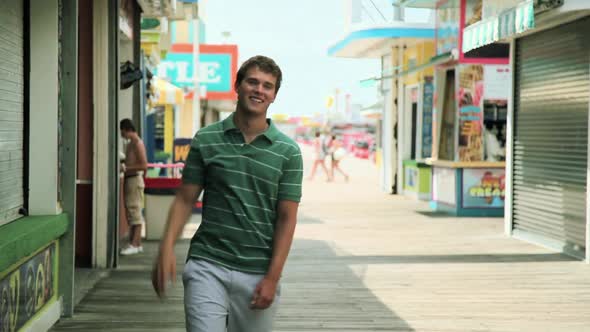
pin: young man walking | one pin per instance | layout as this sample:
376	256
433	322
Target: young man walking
251	175
134	167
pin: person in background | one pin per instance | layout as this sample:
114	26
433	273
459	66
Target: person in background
251	174
320	154
134	167
337	153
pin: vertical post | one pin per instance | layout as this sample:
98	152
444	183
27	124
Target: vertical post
106	157
138	112
69	101
419	117
336	97
44	108
457	69
398	12
509	189
197	94
113	130
587	259
401	128
168	128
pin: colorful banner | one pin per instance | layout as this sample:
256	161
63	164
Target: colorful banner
217	69
427	106
483	188
24	291
471	113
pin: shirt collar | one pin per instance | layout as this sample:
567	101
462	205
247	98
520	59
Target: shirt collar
271	133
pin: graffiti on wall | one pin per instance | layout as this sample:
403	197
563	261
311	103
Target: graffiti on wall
484	188
26	290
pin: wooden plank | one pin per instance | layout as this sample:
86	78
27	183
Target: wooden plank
365	261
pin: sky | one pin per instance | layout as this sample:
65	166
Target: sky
297	35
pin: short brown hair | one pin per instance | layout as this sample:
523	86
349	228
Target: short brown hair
263	63
127	125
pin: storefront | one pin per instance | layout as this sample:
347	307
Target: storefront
547	191
469	121
416	120
163	120
387	44
37	184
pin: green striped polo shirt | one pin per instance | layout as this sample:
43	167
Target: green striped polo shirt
242	185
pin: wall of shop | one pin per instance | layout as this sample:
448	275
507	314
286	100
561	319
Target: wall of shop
85	138
43	150
417	55
34	247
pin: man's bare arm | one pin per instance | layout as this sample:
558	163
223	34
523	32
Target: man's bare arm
180	211
283	238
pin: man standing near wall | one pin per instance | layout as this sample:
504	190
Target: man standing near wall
251	174
134	167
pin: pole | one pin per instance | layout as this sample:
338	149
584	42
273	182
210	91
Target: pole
197	90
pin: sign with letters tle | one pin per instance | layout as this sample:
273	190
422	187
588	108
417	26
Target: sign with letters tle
217	69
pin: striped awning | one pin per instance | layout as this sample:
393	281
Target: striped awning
507	24
164	93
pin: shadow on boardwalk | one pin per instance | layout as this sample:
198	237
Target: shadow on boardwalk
319	293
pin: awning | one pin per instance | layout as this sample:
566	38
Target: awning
165	93
434	61
374	42
507	24
374	111
416	3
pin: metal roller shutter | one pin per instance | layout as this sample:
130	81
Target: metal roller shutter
11	109
551	136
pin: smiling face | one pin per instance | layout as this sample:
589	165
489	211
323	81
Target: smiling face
256	91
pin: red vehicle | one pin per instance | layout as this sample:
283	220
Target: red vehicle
361	150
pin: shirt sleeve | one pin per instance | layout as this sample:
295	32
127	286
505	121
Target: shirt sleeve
290	184
194	168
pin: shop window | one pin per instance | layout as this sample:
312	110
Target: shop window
495	129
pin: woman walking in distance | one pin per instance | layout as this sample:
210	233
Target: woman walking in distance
320	153
337	152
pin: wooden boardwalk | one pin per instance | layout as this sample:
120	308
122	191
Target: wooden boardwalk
365	261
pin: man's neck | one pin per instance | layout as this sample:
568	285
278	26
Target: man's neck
249	124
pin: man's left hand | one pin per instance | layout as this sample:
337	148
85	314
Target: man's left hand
264	294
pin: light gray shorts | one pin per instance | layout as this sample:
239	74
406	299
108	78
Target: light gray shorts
217	298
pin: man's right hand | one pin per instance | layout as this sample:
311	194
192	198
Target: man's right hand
164	270
180	211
